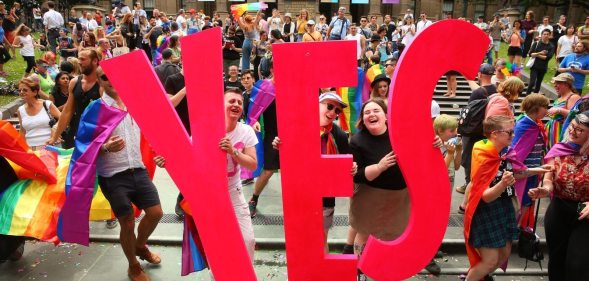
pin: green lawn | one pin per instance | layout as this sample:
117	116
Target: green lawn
15	68
549	73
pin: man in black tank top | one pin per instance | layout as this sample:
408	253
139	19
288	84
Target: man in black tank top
82	90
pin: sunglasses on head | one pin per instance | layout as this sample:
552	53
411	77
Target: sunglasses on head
330	107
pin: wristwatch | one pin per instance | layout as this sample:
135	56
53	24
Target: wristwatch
236	152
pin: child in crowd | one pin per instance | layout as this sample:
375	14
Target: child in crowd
445	127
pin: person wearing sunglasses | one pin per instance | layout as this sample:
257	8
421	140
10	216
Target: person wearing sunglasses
567	217
558	113
124	180
333	141
490	223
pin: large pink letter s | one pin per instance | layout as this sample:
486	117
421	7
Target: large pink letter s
300	70
445	45
198	167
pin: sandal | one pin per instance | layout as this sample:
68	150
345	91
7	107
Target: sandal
146	255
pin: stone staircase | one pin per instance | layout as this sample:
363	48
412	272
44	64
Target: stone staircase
452	106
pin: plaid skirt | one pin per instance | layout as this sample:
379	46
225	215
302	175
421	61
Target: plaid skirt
493	224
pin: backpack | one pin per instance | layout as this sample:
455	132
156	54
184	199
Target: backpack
470	120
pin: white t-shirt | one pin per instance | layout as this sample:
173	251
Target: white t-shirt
28	49
275	23
358	39
36	126
541	28
180	20
407	36
243	136
566	45
421	25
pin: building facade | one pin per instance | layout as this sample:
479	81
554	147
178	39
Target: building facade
435	9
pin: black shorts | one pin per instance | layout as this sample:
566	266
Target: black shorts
514	51
130	186
271	160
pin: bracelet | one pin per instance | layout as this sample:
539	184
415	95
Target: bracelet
104	149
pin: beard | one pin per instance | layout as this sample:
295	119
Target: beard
87	70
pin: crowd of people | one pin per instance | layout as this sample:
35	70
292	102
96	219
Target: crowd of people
506	151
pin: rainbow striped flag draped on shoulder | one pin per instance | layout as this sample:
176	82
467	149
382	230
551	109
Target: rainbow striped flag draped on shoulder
96	124
352	96
32	190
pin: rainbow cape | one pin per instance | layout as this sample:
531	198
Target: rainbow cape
352	96
513	69
555	124
485	164
526	135
193	254
371	73
162	43
30	205
96	124
261	97
237	10
562	149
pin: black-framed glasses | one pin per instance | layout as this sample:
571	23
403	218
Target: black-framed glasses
103	77
336	109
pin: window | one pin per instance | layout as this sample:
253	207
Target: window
448	7
148	4
479	10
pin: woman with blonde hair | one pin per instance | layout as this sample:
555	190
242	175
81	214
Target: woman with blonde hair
250	27
76	64
27	44
36	116
99	33
501	103
302	20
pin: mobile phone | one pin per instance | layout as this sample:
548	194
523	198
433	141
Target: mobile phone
580	207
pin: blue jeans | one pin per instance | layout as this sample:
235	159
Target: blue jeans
490	57
153	56
246	53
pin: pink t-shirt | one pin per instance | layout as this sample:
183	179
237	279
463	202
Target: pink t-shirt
498	105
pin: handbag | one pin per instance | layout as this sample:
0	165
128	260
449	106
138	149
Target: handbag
117	51
52	120
528	246
531	61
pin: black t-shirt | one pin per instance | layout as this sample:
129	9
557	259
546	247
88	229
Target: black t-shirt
343	147
233	85
227	52
270	122
73	20
81	101
538	47
391	27
173	85
504	166
153	38
7	24
368	150
483	92
66	43
556	34
166	70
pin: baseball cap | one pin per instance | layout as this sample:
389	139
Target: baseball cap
334	97
311	22
192	11
288	15
564	77
487	69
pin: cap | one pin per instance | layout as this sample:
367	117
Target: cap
380	77
332	96
288	15
192	11
564	77
375	38
1	2
487	69
435	109
311	22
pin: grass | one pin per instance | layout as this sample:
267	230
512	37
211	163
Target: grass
15	68
549	73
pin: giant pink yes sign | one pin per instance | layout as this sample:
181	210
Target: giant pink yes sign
199	167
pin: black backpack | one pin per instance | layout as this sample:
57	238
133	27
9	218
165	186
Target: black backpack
470	120
265	64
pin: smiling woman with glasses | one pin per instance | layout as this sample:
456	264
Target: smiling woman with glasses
567	218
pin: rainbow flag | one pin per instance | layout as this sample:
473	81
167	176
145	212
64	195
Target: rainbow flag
352	96
237	10
371	73
193	253
31	206
96	124
261	97
162	43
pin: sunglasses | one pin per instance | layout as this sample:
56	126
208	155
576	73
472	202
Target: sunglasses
103	77
509	132
336	109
